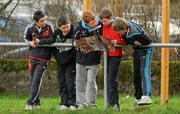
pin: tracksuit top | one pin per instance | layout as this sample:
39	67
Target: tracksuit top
83	30
45	35
65	55
109	33
136	33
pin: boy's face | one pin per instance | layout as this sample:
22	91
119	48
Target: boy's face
41	22
106	21
93	23
65	28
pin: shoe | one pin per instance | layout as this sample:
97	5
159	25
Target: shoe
92	106
116	107
72	107
36	106
145	100
63	107
28	107
136	102
81	107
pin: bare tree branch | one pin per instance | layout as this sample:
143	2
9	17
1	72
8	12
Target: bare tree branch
8	18
3	8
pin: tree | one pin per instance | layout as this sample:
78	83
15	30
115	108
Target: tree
7	14
115	5
4	6
68	8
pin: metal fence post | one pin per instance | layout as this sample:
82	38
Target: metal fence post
105	81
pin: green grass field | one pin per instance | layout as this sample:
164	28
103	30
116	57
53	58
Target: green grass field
12	104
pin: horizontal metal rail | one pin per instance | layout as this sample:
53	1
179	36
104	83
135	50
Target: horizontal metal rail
22	44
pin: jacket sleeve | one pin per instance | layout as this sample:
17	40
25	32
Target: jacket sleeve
77	32
27	35
144	39
140	35
50	38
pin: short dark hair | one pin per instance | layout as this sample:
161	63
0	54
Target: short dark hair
105	13
37	15
62	21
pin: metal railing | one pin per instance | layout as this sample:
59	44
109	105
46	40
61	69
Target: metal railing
21	44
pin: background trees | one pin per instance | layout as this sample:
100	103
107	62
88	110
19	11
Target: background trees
16	14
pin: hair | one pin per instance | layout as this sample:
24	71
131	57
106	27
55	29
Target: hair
62	21
37	15
120	24
105	13
88	16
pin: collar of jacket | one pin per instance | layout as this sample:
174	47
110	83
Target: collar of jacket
86	26
39	29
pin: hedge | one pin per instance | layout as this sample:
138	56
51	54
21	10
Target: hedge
126	74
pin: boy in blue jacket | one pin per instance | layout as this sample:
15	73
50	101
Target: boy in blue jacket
134	35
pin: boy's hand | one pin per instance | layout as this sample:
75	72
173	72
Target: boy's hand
137	43
32	44
114	42
75	43
35	43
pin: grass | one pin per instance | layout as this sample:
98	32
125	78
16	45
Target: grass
14	104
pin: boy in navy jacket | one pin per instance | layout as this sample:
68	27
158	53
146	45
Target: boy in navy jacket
66	61
87	64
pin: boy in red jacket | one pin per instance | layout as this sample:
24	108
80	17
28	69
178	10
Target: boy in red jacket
114	58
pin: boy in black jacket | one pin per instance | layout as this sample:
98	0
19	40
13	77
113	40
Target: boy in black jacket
38	33
66	60
87	64
134	35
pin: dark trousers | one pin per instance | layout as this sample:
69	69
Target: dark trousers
113	69
142	72
36	67
66	79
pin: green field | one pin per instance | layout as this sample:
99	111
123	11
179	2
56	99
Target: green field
13	104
